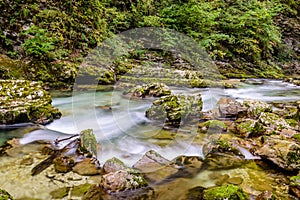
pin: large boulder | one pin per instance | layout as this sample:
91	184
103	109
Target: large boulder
149	90
25	101
175	108
283	153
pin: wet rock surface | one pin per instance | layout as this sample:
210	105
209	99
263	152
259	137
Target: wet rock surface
25	101
175	109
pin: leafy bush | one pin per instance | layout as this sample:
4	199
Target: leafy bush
39	43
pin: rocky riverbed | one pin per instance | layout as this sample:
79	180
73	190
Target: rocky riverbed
250	150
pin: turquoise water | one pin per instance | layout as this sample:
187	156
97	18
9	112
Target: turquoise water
124	131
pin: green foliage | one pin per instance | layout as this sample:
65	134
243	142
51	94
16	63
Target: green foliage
230	192
241	28
38	43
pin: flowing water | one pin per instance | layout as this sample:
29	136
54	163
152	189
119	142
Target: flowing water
120	124
123	130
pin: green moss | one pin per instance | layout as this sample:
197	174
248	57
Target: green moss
4	195
295	181
292	122
229	192
297	137
224	145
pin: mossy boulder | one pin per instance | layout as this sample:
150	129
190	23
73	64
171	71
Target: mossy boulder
283	153
255	108
25	101
273	121
113	165
212	126
175	108
149	90
229	192
249	128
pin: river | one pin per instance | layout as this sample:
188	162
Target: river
122	128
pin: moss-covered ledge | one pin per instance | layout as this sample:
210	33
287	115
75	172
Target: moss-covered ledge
25	101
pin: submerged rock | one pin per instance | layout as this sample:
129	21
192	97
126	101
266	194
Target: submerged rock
87	167
98	193
283	153
154	167
229	192
175	108
195	193
149	90
223	155
25	101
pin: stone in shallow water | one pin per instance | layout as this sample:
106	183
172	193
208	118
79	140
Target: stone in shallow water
87	167
98	193
235	180
175	109
154	167
113	164
122	180
195	193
